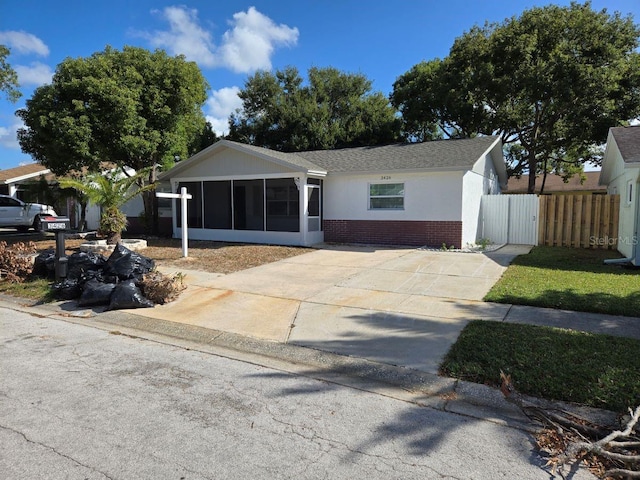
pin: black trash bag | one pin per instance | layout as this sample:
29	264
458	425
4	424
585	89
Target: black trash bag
68	289
95	293
110	278
94	275
127	295
126	264
82	262
44	264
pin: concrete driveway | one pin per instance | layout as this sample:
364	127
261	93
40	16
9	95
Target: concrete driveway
398	306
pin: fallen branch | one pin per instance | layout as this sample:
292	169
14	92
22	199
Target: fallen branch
619	472
618	451
550	417
600	447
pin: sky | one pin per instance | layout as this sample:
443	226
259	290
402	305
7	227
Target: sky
230	40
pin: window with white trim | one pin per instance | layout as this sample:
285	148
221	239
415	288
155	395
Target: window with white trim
630	192
386	196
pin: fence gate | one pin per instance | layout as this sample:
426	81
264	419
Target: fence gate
510	219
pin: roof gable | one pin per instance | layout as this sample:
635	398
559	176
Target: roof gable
628	141
23	172
622	150
287	160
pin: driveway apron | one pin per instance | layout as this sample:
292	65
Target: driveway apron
398	306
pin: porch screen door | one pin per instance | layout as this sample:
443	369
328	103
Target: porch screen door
313	208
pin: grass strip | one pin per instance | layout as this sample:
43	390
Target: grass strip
569	279
36	289
597	370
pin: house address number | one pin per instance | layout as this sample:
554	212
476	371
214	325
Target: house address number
57	226
385	177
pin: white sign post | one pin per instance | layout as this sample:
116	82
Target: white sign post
183	196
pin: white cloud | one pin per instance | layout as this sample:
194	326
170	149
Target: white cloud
35	74
250	43
247	46
185	36
23	42
220	106
8	136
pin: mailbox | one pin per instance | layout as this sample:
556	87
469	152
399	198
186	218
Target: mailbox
58	225
54	224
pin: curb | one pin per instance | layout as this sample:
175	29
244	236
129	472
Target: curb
421	388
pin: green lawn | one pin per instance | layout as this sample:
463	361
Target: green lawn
35	289
570	279
597	370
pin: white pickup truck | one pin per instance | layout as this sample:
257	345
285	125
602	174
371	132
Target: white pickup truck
22	215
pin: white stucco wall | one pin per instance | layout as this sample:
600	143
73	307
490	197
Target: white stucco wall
481	180
620	178
427	196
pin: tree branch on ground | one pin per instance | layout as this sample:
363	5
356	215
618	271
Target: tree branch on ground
568	438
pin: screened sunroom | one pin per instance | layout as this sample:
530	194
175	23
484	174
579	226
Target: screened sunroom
278	203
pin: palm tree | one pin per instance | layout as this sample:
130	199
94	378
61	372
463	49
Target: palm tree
110	191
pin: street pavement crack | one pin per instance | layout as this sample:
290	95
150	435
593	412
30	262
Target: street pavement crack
48	447
312	436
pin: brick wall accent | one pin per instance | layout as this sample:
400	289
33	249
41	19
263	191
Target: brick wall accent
390	232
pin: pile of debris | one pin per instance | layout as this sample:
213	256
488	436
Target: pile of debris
124	280
610	452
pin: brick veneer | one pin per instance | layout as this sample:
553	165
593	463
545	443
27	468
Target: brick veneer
391	232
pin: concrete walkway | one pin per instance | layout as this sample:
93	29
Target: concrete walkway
396	306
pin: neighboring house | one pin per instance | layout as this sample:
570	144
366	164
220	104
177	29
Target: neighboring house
12	180
621	174
405	194
555	185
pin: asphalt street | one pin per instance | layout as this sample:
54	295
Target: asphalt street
78	402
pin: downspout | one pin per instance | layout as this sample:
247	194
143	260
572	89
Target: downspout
619	261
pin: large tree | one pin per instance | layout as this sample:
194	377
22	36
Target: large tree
133	108
550	82
333	110
8	77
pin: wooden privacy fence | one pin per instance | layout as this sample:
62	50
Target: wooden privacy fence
579	221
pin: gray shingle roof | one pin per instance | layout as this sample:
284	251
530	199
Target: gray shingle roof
628	141
440	154
461	153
